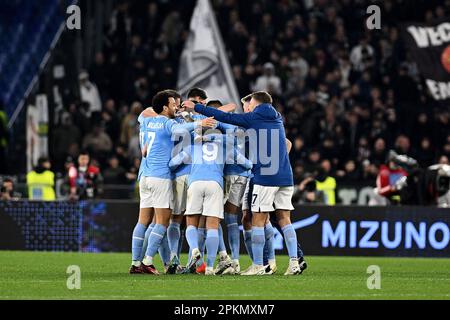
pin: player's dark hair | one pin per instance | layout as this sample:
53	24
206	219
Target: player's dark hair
160	100
214	103
83	153
262	96
197	92
173	93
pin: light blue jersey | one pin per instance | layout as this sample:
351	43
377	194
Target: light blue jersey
238	145
208	160
184	168
157	135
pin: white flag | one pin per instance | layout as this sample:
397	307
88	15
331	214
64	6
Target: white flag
204	62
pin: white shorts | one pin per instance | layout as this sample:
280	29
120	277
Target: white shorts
268	199
180	187
234	189
245	196
205	198
155	193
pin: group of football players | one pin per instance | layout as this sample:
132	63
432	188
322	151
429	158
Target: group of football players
202	164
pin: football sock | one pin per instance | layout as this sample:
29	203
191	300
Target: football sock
258	240
137	242
155	239
212	244
248	242
164	251
269	233
147	234
173	237
180	243
290	237
201	243
233	234
222	247
192	238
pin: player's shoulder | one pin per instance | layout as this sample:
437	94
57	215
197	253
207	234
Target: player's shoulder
267	111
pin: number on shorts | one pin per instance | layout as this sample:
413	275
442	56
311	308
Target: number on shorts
254	198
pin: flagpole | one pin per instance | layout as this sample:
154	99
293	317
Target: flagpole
223	57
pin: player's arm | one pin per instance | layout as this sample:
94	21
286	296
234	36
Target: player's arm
179	128
236	155
288	145
226	128
242	120
147	113
228	107
182	157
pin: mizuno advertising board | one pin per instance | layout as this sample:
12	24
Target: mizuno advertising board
373	231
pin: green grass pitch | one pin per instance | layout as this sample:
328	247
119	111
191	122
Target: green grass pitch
42	275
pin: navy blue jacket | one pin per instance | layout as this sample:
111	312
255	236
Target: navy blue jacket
268	130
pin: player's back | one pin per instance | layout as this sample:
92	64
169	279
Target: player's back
156	139
207	161
236	142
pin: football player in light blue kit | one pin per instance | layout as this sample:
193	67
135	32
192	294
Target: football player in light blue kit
235	182
155	185
198	95
205	193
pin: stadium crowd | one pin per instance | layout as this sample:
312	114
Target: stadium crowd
348	94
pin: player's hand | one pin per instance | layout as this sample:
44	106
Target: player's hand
208	123
188	105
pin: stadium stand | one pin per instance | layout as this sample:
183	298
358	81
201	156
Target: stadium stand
348	94
27	30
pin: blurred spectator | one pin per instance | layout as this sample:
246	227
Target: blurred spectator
97	142
387	178
129	124
111	120
350	174
84	179
362	55
100	75
326	183
425	154
8	192
41	181
89	93
378	156
64	135
307	193
3	139
115	177
268	81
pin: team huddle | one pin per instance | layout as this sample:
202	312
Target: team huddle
201	164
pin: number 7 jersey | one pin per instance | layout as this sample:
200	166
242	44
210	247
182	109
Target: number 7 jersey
156	142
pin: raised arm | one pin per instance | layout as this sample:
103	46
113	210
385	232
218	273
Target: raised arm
243	120
177	128
228	107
